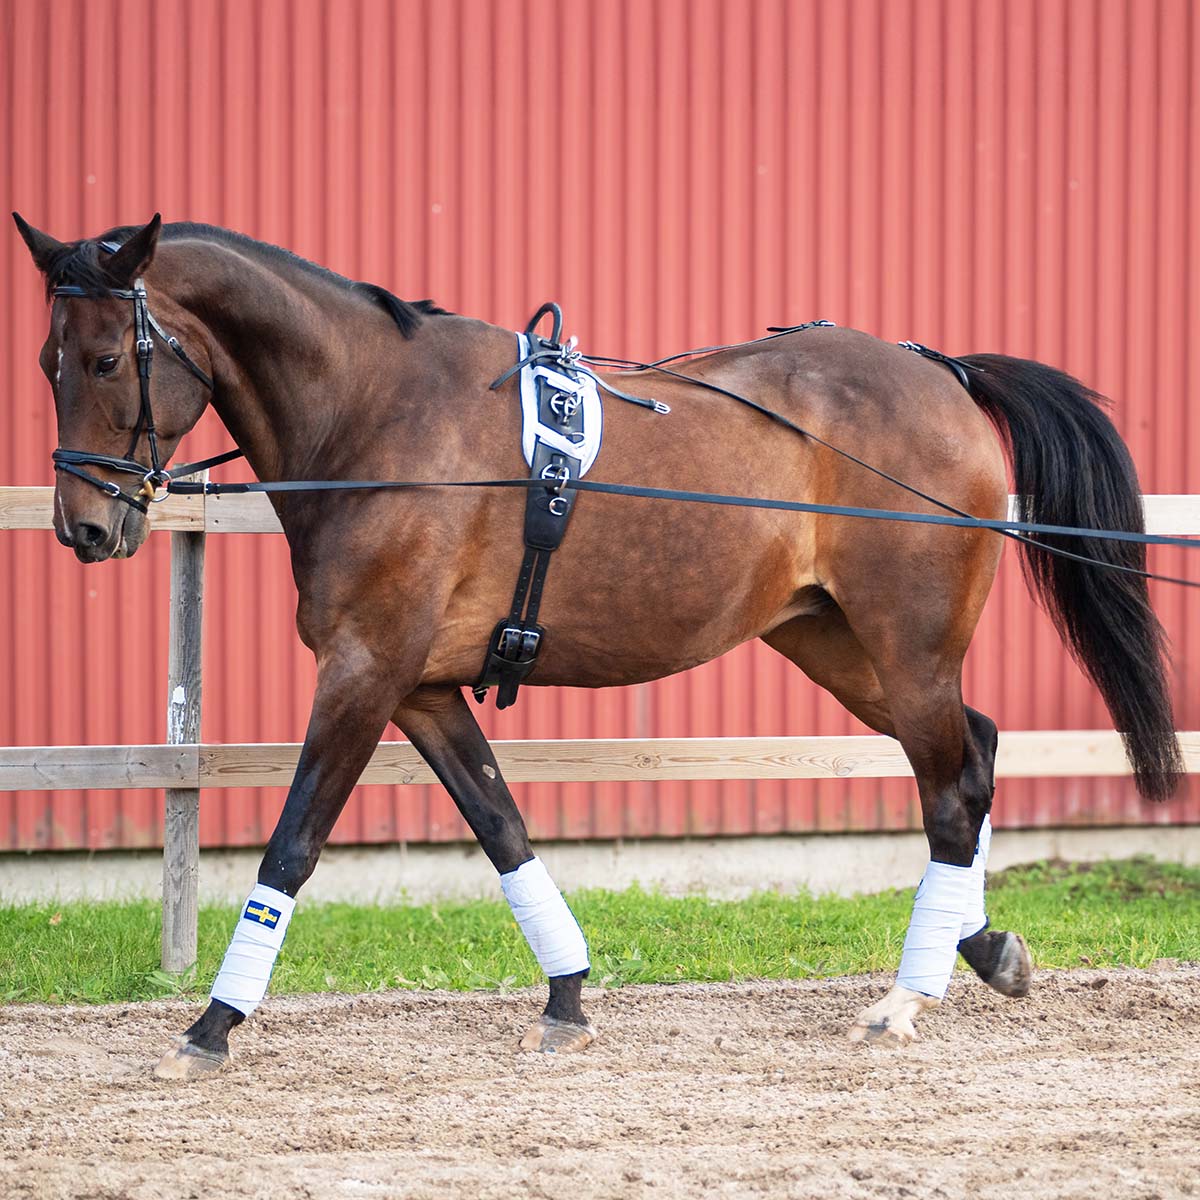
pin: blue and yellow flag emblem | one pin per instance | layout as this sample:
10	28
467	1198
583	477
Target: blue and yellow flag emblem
262	914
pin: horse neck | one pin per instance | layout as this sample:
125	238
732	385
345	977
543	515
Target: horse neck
282	344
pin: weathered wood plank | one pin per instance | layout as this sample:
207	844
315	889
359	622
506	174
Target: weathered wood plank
592	760
181	806
33	508
1038	754
1164	514
26	508
595	760
248	513
272	764
1096	753
50	768
1172	514
1023	755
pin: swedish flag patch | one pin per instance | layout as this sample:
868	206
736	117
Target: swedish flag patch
262	914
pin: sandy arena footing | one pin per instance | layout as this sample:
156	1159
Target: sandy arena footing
1089	1087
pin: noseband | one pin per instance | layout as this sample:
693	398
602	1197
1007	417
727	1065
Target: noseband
145	328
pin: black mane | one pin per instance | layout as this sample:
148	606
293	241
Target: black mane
79	264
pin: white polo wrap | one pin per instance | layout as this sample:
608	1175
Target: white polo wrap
552	932
931	944
246	970
976	915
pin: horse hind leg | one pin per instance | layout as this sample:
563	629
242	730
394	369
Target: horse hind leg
999	957
955	776
829	652
930	724
441	726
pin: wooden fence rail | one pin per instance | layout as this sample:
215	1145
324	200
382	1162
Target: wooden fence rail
1036	754
185	765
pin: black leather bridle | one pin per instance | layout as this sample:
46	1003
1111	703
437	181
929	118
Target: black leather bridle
145	329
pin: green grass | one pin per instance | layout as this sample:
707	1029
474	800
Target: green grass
1118	913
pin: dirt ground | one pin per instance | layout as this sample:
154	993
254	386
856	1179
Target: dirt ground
1088	1088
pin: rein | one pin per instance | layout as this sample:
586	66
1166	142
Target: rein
964	521
156	477
181	487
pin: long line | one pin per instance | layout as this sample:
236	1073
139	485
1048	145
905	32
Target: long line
965	521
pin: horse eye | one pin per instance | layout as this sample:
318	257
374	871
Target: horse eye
106	365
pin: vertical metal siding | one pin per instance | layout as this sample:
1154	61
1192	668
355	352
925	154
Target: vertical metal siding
1016	176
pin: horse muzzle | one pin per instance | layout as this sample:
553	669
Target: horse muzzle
94	542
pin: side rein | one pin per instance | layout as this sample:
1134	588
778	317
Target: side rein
145	329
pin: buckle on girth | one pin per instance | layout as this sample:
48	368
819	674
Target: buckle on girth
512	654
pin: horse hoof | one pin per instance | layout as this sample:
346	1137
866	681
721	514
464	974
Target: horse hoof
1014	968
884	1034
188	1061
890	1022
552	1036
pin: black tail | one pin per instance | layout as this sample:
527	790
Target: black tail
1072	468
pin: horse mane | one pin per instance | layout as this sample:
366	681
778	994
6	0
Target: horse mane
78	264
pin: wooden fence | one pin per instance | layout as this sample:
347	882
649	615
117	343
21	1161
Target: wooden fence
184	764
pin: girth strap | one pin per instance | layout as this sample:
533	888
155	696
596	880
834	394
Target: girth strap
517	639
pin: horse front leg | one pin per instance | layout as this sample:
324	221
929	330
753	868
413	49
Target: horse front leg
441	726
354	697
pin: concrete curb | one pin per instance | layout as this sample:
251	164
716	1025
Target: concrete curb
718	867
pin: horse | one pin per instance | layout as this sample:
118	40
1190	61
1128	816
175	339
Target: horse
319	377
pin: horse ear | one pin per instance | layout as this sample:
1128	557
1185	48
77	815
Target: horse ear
136	255
41	245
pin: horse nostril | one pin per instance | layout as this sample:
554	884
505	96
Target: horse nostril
86	534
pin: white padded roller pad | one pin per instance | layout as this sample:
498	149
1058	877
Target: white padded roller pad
246	970
931	944
976	915
532	429
552	932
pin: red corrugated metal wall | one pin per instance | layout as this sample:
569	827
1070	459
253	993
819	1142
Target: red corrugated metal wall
1018	176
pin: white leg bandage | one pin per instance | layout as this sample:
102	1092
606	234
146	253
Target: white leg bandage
976	915
931	945
242	980
552	932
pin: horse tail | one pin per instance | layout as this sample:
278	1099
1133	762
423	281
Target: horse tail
1071	468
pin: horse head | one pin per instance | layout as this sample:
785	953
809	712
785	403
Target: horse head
115	433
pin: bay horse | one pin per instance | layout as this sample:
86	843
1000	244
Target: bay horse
318	377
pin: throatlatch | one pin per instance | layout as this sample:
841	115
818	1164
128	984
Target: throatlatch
561	432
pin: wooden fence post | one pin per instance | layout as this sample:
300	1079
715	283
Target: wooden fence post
181	814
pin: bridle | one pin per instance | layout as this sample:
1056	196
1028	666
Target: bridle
145	329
